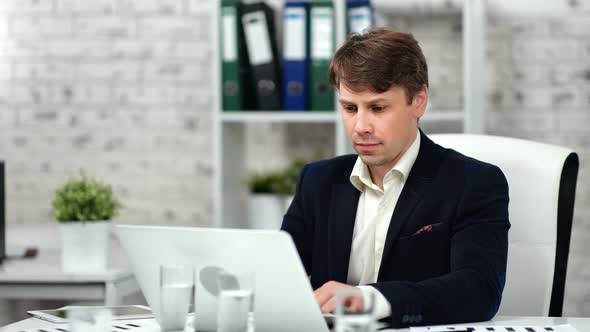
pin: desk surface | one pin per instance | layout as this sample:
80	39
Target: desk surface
42	277
582	324
46	266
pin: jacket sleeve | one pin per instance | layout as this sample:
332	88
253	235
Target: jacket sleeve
296	223
472	290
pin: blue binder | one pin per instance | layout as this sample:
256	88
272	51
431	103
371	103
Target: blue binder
296	56
360	16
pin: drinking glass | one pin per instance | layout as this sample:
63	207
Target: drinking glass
354	312
235	302
176	290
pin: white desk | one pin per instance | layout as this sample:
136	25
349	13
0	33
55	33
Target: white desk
582	324
43	278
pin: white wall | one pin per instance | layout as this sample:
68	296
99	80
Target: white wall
117	87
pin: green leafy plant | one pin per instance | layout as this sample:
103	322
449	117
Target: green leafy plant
84	199
281	181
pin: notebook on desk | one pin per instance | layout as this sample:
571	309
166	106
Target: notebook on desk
283	299
496	328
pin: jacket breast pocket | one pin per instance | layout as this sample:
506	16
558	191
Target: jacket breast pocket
427	229
423	255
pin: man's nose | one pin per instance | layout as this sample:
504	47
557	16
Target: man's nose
363	122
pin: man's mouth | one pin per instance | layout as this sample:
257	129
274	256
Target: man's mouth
366	147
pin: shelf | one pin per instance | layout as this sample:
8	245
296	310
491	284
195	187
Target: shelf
431	115
278	116
319	117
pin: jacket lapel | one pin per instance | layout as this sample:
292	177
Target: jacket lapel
417	183
341	226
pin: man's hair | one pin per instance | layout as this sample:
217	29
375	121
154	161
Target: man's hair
378	60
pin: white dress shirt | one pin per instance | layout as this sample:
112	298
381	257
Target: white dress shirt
374	211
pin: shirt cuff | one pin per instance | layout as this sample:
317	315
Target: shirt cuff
382	306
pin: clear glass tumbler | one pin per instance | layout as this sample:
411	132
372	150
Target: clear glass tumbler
235	302
354	312
176	291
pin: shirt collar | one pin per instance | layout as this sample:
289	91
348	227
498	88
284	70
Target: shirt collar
361	178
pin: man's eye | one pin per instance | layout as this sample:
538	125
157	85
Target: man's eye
349	108
378	108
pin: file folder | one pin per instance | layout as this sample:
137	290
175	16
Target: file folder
236	81
322	49
360	15
258	25
295	56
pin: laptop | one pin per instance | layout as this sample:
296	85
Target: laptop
283	299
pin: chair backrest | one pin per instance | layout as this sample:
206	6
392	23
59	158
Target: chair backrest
542	185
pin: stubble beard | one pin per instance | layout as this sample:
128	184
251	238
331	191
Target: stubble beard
374	163
373	160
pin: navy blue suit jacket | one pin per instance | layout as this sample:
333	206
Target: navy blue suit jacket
453	273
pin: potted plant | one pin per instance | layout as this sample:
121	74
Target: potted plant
84	208
271	195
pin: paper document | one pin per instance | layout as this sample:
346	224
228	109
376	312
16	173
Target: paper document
139	325
506	328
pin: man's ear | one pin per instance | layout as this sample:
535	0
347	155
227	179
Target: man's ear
419	102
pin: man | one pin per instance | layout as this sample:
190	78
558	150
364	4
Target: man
422	227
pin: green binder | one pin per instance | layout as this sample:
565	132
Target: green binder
321	52
236	85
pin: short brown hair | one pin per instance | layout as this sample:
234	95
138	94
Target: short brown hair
378	60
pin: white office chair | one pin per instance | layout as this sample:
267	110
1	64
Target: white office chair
542	185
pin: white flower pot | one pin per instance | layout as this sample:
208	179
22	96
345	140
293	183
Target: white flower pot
84	246
266	211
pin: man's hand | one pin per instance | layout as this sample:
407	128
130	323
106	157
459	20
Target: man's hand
325	297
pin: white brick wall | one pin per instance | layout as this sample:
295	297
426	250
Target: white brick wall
45	27
105	27
117	87
27	6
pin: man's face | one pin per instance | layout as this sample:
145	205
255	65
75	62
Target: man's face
381	126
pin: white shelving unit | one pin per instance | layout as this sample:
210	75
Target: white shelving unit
249	117
230	190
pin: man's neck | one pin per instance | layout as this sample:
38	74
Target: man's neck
378	173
